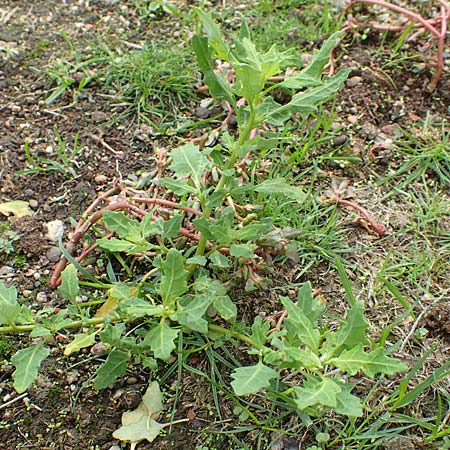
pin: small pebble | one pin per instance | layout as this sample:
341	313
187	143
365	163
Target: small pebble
55	230
26	292
114	447
353	81
6	270
33	203
53	254
132	380
41	297
36	275
352	119
101	179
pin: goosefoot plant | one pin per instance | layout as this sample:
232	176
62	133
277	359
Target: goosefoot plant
188	240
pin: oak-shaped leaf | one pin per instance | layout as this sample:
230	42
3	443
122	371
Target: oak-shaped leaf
161	340
317	392
370	363
27	362
250	379
140	424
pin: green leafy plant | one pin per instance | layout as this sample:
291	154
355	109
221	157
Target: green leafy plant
184	246
65	158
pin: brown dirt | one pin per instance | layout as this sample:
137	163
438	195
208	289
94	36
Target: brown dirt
62	410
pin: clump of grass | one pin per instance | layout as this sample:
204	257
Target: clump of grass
155	81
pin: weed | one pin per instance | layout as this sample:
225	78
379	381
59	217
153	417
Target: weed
153	82
65	158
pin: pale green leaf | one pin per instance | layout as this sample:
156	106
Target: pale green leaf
309	100
174	278
115	245
9	307
320	58
179	187
215	37
370	363
161	340
121	224
69	287
190	312
219	260
172	226
189	160
115	365
243	250
27	362
280	186
253	231
17	207
317	392
347	403
260	330
312	307
139	424
218	87
297	321
225	307
250	379
353	329
80	341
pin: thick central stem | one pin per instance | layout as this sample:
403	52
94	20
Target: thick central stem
244	135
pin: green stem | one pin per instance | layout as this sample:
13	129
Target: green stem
237	335
74	324
234	155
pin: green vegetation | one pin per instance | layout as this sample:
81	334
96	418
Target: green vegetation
186	255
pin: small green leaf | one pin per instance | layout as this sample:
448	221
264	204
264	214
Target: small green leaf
80	341
225	307
9	307
190	312
188	160
353	330
174	278
321	392
121	224
321	58
260	330
69	287
161	340
198	260
218	87
312	307
243	250
203	226
214	34
308	101
219	260
112	334
253	231
221	233
179	187
279	186
139	307
356	359
115	365
27	362
300	325
115	245
347	403
172	226
250	379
